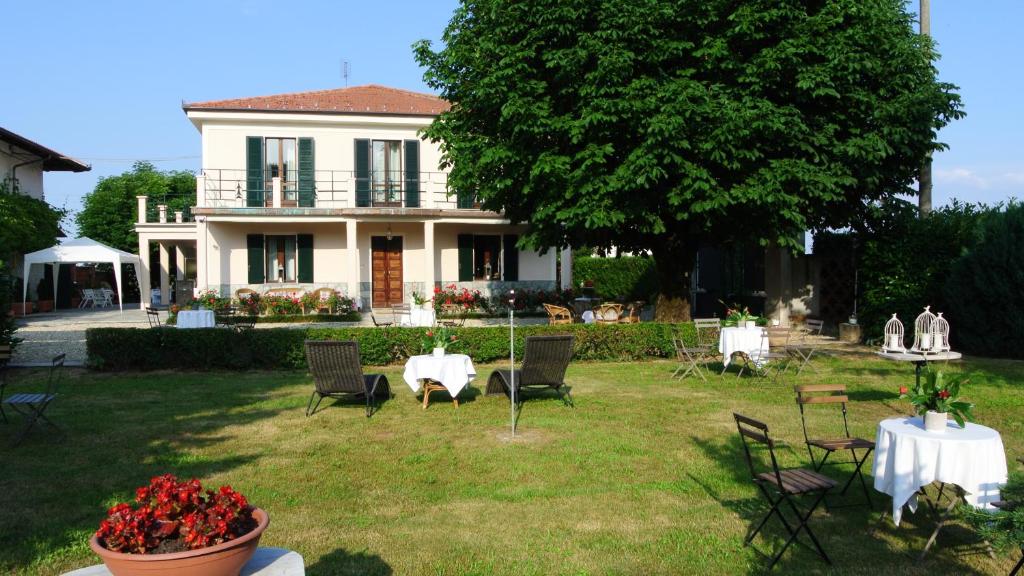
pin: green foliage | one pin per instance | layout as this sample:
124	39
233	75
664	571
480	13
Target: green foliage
940	392
7	323
631	277
26	224
282	348
1003	529
665	124
983	290
109	211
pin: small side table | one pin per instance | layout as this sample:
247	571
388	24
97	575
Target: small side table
849	333
265	562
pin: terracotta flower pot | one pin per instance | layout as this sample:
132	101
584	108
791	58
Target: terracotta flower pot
225	559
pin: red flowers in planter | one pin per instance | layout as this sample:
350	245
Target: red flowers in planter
173	516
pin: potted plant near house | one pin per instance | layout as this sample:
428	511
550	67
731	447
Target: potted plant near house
937	396
178	528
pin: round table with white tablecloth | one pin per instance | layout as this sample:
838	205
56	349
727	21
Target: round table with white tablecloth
451	372
417	317
734	339
908	457
195	319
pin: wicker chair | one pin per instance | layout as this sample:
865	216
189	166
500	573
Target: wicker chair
337	374
558	314
608	313
544	363
322	295
632	313
244	294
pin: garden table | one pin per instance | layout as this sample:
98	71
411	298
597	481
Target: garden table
909	458
451	372
920	360
195	319
265	562
734	339
417	317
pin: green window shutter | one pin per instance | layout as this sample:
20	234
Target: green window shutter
255	192
465	257
511	258
464	200
362	173
307	176
254	242
412	173
304	247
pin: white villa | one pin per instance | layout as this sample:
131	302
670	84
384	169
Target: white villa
336	189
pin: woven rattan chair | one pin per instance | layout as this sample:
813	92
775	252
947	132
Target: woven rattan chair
806	344
558	314
322	296
244	294
608	313
632	313
33	406
833	394
545	361
337	373
780	486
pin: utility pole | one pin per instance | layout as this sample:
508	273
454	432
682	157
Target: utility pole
924	175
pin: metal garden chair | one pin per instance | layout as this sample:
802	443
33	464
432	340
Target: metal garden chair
806	344
455	316
782	487
378	323
545	361
337	373
33	406
399	310
153	317
690	358
770	358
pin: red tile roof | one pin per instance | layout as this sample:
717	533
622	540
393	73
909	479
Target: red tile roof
369	99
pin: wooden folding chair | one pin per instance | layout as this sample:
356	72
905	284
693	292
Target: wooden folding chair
834	394
782	486
806	344
33	406
770	358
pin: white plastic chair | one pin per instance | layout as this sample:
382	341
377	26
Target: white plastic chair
88	298
106	297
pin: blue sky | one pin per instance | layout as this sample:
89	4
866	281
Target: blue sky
104	81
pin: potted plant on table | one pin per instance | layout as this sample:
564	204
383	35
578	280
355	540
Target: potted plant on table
740	317
438	339
178	528
937	396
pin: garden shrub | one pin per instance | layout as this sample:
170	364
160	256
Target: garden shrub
282	348
631	277
984	290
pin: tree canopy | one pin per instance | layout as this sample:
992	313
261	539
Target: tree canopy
666	124
26	224
109	211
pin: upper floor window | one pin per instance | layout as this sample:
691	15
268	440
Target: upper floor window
281	161
386	172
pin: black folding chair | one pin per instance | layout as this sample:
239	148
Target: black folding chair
834	394
337	373
153	317
33	406
782	486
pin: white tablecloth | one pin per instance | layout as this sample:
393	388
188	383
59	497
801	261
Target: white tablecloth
908	457
453	371
195	319
417	317
734	339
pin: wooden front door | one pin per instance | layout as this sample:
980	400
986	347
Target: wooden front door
387	271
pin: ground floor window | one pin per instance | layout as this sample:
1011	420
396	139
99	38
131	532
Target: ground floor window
281	265
486	257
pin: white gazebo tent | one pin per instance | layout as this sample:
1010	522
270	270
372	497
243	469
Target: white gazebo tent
76	251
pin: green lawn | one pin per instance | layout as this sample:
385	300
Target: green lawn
643	476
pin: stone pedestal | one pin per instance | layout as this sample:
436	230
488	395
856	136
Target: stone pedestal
266	562
850	333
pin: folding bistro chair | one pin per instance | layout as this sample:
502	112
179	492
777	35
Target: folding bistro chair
399	310
378	323
770	358
153	317
33	406
833	394
806	344
455	316
782	486
690	358
5	359
337	373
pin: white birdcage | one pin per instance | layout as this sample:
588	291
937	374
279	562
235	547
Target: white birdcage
893	336
924	333
940	334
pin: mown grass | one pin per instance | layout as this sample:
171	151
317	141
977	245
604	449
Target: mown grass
643	476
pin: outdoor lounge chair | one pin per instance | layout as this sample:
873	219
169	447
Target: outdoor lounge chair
33	406
782	486
558	314
337	373
544	363
833	394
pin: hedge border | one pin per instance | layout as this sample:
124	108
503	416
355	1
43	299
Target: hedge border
118	349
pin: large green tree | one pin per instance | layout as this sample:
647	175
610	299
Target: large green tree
109	211
664	124
26	224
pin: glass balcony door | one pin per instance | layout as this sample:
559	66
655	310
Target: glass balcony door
386	172
282	162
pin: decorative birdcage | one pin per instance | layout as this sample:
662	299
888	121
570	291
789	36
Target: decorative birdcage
893	336
924	333
940	331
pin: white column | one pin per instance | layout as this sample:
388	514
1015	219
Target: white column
144	270
202	245
352	247
162	208
141	219
277	191
178	216
165	274
566	268
428	249
179	261
201	190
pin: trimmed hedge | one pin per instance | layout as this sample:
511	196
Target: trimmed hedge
282	348
631	277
